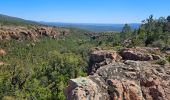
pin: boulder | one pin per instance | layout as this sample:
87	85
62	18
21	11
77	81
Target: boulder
140	54
100	58
101	55
85	88
2	63
2	52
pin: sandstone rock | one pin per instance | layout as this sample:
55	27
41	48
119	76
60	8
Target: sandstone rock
122	80
30	33
154	89
115	89
2	52
100	58
140	54
85	89
2	63
124	90
101	55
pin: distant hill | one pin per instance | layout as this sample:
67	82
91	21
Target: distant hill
94	27
9	20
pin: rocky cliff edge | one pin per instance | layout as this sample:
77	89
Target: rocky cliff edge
130	74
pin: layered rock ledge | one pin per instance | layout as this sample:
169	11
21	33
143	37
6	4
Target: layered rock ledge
123	79
30	32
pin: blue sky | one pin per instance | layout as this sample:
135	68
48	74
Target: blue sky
85	11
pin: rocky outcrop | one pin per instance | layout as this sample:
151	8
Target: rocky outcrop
124	90
122	80
155	88
86	88
140	54
30	32
100	58
52	32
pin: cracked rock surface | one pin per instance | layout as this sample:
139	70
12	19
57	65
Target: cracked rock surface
126	79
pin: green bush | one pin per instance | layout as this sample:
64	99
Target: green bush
41	71
168	58
161	62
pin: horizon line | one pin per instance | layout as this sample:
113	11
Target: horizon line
63	22
53	22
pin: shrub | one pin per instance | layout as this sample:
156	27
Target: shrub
168	58
161	62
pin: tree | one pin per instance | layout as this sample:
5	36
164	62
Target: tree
168	19
126	29
167	25
149	24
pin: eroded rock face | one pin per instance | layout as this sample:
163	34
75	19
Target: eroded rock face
140	54
86	89
31	32
52	32
124	90
155	88
123	80
100	58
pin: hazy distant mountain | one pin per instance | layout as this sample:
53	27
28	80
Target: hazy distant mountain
8	20
94	27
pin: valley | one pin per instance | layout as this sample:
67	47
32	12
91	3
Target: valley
50	62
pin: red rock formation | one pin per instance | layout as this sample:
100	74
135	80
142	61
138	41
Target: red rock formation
86	89
124	90
100	58
154	89
122	80
140	54
31	32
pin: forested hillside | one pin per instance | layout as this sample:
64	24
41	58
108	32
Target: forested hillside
8	20
41	70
